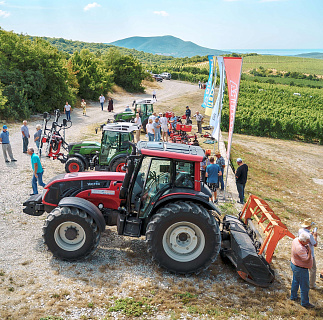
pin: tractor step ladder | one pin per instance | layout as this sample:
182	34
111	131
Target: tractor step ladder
259	211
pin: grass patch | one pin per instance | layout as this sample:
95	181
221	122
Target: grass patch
132	307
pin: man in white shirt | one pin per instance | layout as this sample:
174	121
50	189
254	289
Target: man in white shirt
67	111
102	99
164	126
306	227
138	122
199	119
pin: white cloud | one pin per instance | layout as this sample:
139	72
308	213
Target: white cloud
4	14
91	6
161	13
1	2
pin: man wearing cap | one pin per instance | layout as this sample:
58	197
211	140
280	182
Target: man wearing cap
127	108
6	147
241	179
188	115
301	261
306	227
221	163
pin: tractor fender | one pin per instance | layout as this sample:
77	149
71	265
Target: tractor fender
185	197
86	206
120	155
84	159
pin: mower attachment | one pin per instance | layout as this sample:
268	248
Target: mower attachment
243	245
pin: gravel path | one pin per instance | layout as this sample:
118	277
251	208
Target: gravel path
34	284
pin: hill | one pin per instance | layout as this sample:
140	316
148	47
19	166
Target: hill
315	55
167	46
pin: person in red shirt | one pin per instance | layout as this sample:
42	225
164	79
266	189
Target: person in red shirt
301	261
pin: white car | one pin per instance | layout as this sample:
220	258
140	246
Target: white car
166	75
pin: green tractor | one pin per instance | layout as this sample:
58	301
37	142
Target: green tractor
109	155
145	108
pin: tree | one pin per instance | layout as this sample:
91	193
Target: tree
128	73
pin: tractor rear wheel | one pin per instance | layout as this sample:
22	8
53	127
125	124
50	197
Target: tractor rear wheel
118	164
183	237
70	233
74	165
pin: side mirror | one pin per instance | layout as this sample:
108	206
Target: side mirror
45	115
64	122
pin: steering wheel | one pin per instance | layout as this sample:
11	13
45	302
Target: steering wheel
152	175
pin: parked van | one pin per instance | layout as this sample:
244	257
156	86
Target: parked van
166	75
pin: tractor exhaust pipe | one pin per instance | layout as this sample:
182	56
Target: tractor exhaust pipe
130	167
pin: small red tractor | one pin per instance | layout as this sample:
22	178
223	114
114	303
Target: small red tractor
160	196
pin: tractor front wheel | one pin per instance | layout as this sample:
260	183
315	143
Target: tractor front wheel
118	164
70	233
74	165
183	237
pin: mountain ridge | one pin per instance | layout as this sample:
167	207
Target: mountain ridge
166	45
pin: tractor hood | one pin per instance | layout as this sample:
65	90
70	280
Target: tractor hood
72	184
76	146
87	176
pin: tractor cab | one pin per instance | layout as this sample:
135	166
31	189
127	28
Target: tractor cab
115	143
160	171
145	107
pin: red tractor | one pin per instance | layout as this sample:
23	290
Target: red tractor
160	196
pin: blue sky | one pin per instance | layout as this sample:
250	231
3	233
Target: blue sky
217	24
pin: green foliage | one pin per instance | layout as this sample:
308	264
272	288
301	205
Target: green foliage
52	318
132	307
127	70
274	111
34	75
91	73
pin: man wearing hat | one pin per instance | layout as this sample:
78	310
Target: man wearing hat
301	262
6	147
241	179
188	115
306	227
221	163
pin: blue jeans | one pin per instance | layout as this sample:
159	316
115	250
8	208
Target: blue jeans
240	188
300	279
101	103
151	136
40	182
157	136
25	144
68	115
221	182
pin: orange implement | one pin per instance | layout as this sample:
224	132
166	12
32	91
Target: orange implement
259	211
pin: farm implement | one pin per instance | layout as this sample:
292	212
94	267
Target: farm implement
160	196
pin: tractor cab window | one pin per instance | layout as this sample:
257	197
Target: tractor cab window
184	176
109	146
150	109
157	179
141	108
124	139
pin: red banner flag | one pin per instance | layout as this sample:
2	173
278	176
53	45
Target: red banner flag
233	68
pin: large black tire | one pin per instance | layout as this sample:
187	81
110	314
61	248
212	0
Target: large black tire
74	165
183	237
70	233
118	164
